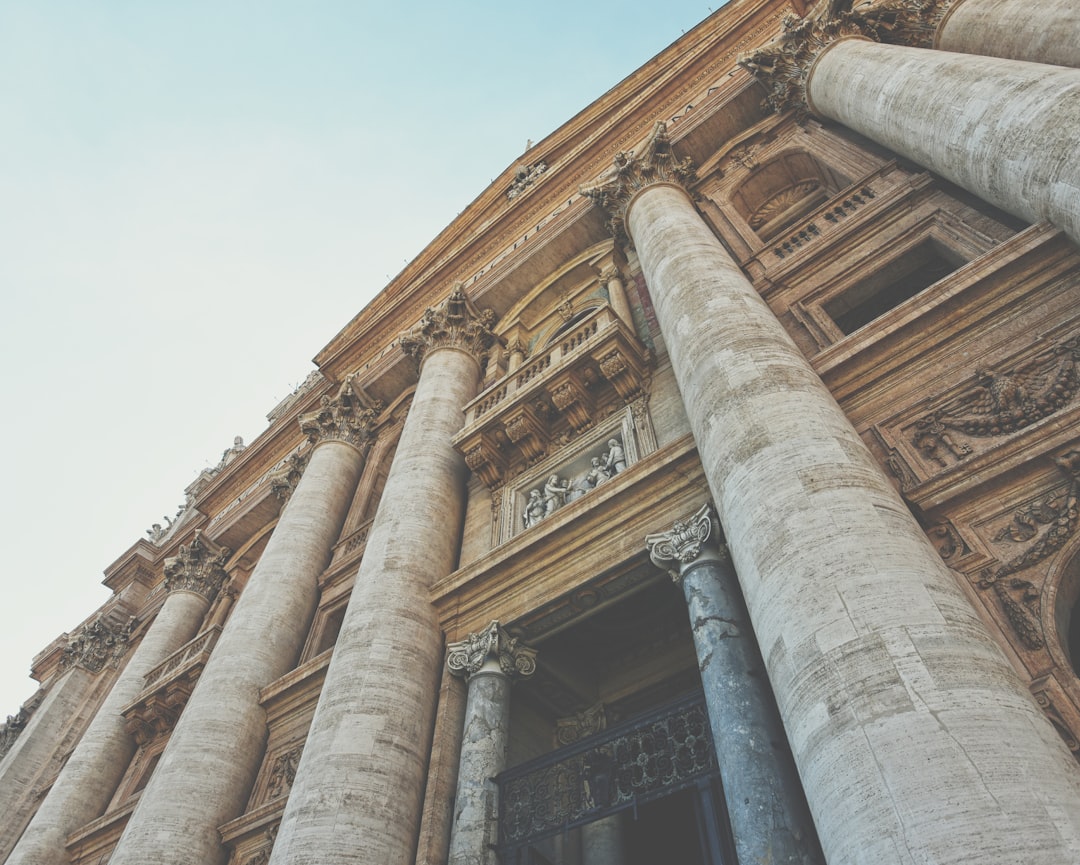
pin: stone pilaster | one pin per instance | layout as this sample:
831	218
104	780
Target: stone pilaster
488	661
872	650
88	780
359	786
209	765
767	810
1002	129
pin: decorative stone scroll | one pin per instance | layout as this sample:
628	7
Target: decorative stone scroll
455	323
466	657
348	416
631	173
100	643
681	546
197	567
283	482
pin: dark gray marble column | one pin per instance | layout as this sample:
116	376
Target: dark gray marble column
769	817
488	660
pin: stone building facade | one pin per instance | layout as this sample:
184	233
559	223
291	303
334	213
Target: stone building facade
706	492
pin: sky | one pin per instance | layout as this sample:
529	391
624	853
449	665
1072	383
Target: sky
195	197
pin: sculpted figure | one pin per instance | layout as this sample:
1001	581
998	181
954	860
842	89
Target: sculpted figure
555	492
614	459
597	474
534	509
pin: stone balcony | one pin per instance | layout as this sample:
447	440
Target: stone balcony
168	687
562	390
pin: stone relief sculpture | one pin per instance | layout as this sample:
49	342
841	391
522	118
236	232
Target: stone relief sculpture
542	502
534	509
597	474
555	492
615	458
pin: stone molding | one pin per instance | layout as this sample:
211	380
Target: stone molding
455	323
631	173
100	643
284	481
197	567
465	658
348	416
677	549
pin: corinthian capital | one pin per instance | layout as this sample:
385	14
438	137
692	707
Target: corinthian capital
631	173
455	323
683	544
197	567
103	641
348	416
493	643
783	65
906	22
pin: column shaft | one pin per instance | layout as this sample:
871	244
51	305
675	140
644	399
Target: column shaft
442	772
209	765
1043	32
483	756
914	738
89	778
1005	130
358	788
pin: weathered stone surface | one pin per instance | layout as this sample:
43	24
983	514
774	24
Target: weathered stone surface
1043	32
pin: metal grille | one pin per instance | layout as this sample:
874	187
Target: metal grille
631	764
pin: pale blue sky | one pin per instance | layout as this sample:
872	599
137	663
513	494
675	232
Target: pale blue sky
195	197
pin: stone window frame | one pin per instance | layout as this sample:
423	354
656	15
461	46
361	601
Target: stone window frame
138	773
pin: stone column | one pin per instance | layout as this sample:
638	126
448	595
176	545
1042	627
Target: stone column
488	661
87	783
768	814
611	277
358	790
873	652
1005	130
213	755
52	727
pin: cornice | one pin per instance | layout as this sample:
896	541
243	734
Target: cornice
576	153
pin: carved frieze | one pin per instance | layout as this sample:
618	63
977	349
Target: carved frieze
682	544
348	416
197	567
455	323
465	658
631	173
100	643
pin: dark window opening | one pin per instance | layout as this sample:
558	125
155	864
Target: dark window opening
331	630
898	281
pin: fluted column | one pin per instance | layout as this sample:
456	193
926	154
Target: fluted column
873	652
358	788
488	661
89	778
768	814
209	765
1005	130
100	644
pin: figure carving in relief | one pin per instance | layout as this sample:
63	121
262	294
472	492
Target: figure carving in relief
555	493
597	474
615	458
534	509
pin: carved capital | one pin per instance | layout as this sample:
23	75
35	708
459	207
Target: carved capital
632	173
100	643
283	482
493	643
348	416
906	22
682	545
783	65
197	567
455	323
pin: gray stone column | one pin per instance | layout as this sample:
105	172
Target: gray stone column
769	818
1005	130
873	652
207	769
90	777
611	277
358	790
50	730
488	661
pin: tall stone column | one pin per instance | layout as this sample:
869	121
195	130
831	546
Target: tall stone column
612	279
90	777
1005	130
488	661
207	769
914	738
358	789
99	645
769	818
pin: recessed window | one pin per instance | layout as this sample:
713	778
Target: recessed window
784	191
900	280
